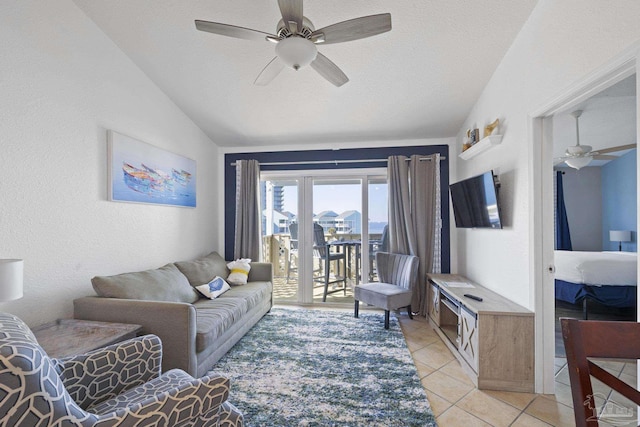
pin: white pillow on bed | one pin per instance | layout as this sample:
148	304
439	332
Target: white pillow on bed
596	268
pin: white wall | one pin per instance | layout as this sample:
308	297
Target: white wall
63	83
561	42
583	200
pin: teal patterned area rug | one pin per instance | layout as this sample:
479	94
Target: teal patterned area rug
300	367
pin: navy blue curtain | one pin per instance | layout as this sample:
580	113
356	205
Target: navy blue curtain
563	236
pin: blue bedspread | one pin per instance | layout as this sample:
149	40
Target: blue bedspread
612	296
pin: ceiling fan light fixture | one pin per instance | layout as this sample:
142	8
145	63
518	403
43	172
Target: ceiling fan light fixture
296	40
576	150
296	52
578	162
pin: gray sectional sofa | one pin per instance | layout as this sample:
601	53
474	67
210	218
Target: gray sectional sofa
195	331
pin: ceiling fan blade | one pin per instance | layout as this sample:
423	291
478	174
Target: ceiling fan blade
353	29
618	148
232	31
329	70
604	157
291	11
269	72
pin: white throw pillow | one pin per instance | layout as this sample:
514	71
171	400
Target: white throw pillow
214	288
239	271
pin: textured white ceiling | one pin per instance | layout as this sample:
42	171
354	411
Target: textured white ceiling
419	80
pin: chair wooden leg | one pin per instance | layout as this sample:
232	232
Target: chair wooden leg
327	267
409	312
356	310
386	319
344	286
289	269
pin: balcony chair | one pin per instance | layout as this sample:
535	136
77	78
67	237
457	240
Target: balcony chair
322	251
397	275
588	339
292	263
118	385
376	246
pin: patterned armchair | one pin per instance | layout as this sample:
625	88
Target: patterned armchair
119	385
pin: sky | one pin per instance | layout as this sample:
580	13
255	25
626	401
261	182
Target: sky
340	198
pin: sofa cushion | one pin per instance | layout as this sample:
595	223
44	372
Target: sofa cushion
253	293
203	270
215	317
162	284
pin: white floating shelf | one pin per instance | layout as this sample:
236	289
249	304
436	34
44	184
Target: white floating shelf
481	146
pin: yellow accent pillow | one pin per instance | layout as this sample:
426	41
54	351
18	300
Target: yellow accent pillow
239	271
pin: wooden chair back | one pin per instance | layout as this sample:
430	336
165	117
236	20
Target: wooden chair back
293	234
585	340
319	242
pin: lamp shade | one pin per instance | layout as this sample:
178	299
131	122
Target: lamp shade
620	235
11	272
578	162
296	52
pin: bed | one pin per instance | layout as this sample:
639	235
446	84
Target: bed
609	278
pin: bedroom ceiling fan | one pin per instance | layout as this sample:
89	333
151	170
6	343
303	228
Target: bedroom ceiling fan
578	156
296	40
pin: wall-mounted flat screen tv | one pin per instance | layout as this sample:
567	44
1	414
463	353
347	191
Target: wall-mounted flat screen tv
475	202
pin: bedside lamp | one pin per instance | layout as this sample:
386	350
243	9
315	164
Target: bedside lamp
11	271
620	236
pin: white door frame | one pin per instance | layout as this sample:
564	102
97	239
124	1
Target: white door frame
541	226
305	180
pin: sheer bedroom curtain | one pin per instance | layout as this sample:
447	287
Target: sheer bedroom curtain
247	242
414	218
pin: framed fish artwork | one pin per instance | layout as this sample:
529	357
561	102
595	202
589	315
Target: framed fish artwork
143	173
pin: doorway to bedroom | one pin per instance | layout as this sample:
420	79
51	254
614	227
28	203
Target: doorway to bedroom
595	207
588	99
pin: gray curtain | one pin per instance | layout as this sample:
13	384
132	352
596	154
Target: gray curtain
401	237
413	188
436	266
422	188
247	242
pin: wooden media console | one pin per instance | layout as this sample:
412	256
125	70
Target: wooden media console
493	339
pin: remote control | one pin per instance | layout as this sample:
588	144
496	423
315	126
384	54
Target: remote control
473	297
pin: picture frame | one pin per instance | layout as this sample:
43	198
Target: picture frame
474	136
139	172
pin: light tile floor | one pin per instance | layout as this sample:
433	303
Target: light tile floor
457	402
454	399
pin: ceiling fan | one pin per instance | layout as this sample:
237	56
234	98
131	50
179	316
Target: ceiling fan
296	40
578	156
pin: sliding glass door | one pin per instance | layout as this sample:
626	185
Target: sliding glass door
337	237
378	203
279	205
315	234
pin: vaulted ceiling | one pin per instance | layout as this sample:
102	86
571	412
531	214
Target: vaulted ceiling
419	80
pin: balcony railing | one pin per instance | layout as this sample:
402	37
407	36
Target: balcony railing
276	249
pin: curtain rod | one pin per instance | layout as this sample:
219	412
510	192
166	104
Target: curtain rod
336	162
